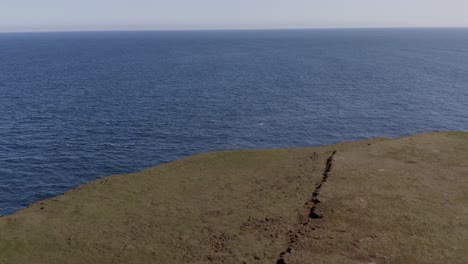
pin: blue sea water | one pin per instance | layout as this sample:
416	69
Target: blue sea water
78	106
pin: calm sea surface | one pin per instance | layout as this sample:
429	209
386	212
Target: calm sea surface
78	106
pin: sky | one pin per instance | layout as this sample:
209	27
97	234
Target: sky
73	15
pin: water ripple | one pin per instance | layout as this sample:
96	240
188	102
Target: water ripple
78	106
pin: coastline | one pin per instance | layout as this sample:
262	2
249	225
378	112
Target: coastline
380	200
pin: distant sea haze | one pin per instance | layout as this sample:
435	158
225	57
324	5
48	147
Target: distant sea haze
78	106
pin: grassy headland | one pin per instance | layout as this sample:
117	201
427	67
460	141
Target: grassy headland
374	201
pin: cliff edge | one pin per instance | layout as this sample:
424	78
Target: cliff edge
375	201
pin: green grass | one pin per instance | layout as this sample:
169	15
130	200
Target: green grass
385	201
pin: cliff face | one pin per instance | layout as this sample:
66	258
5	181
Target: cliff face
374	201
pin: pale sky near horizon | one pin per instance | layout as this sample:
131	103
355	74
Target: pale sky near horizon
64	15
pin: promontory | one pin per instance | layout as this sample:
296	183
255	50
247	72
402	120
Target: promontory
375	201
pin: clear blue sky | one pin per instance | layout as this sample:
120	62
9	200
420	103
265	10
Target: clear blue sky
52	15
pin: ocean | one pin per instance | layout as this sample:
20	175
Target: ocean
78	106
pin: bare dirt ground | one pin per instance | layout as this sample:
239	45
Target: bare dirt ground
374	201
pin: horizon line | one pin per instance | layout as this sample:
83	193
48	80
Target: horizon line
231	29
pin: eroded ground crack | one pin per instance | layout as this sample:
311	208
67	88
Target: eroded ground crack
311	214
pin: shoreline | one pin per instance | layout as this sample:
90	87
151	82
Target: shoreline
370	200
